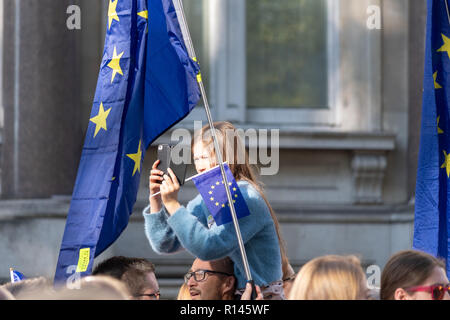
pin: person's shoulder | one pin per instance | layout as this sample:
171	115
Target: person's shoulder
255	202
251	195
248	190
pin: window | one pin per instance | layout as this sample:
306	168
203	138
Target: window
287	54
267	62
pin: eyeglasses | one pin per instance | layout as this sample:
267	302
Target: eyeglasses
437	290
200	275
152	296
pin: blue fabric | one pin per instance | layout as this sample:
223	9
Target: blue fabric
212	189
188	229
154	65
431	223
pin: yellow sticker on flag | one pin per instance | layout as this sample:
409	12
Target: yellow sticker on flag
83	260
199	78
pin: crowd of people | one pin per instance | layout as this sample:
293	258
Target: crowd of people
219	272
408	275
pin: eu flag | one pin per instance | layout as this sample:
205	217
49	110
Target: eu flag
15	275
211	187
431	223
147	83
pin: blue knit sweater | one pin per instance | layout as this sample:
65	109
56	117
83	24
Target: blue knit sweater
188	229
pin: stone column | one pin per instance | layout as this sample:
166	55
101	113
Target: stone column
42	136
417	31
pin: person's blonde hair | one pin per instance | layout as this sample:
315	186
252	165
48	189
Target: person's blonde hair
330	277
238	161
183	293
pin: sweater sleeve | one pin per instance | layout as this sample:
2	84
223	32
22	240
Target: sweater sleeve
160	234
219	241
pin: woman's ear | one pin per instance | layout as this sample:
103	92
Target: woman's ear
401	294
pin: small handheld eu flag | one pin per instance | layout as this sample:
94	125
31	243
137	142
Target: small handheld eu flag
15	275
212	189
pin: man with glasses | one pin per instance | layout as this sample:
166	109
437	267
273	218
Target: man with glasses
211	280
138	274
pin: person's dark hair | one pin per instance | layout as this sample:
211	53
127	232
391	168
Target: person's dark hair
223	265
405	269
117	266
135	280
28	286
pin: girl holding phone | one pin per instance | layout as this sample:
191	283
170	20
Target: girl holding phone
171	227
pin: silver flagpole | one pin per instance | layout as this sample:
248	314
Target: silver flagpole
190	47
448	12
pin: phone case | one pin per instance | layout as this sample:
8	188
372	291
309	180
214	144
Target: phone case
164	155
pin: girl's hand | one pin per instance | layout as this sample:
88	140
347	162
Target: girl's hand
248	292
155	180
169	192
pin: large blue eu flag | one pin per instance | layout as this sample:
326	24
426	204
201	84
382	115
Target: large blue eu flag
147	83
211	187
432	210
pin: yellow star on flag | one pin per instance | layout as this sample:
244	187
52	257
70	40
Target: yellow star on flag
100	119
143	14
115	64
439	129
446	46
436	85
446	164
112	13
136	157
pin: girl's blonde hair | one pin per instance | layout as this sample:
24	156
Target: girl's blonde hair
330	277
183	293
234	152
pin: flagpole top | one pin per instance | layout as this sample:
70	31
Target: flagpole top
11	269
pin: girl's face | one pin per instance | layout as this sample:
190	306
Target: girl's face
203	158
